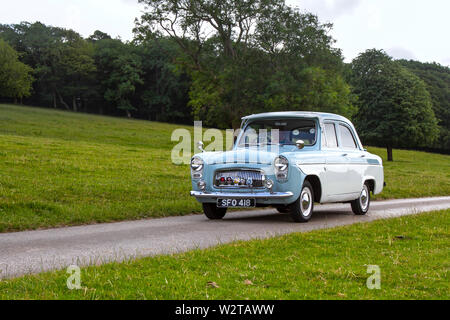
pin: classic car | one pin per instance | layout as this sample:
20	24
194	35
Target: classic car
288	160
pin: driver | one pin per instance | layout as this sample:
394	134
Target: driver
285	137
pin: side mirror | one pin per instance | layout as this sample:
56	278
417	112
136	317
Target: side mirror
201	146
300	144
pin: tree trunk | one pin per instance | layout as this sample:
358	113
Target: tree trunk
229	50
55	105
74	104
389	154
128	114
62	101
15	100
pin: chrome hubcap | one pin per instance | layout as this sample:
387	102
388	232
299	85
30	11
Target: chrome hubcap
306	202
364	198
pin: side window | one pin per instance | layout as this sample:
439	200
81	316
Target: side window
330	132
347	140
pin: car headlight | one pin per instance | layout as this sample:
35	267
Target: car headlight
197	166
281	164
281	168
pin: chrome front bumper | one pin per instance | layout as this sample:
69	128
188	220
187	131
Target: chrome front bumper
225	195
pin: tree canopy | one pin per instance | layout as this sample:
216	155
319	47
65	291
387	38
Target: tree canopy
250	56
15	76
437	80
100	74
395	109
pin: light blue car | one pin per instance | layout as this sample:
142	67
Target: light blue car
288	160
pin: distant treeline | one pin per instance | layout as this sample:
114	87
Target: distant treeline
101	75
165	78
437	81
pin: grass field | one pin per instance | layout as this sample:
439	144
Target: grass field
412	253
60	168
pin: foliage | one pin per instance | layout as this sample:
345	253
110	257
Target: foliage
164	97
61	58
100	74
15	76
250	56
120	73
437	79
395	109
76	70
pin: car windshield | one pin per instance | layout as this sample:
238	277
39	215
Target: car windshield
279	132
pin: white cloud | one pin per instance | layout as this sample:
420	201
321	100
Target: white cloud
327	10
374	17
400	53
130	2
446	62
73	17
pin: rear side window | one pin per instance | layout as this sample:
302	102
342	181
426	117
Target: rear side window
330	132
347	139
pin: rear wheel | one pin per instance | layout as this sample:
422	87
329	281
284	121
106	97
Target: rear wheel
302	209
212	212
361	205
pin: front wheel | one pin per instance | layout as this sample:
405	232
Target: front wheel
302	209
212	212
361	205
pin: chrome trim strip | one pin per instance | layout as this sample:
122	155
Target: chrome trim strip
338	163
224	195
309	163
239	163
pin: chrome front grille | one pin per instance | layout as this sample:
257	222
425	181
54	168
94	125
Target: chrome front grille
239	179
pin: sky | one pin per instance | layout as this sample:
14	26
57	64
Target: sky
409	29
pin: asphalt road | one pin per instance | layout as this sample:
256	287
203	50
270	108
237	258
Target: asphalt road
37	251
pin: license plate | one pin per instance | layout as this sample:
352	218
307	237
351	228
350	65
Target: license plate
236	203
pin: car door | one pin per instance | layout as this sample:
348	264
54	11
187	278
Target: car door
355	160
335	167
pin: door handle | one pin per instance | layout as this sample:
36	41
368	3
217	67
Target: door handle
363	156
345	154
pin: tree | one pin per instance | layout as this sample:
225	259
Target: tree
99	35
76	70
238	54
164	92
395	109
120	71
100	74
39	47
62	61
437	79
15	76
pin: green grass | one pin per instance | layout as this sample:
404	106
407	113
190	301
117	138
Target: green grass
61	168
412	253
414	174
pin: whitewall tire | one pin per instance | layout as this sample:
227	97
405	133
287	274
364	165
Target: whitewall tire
302	209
